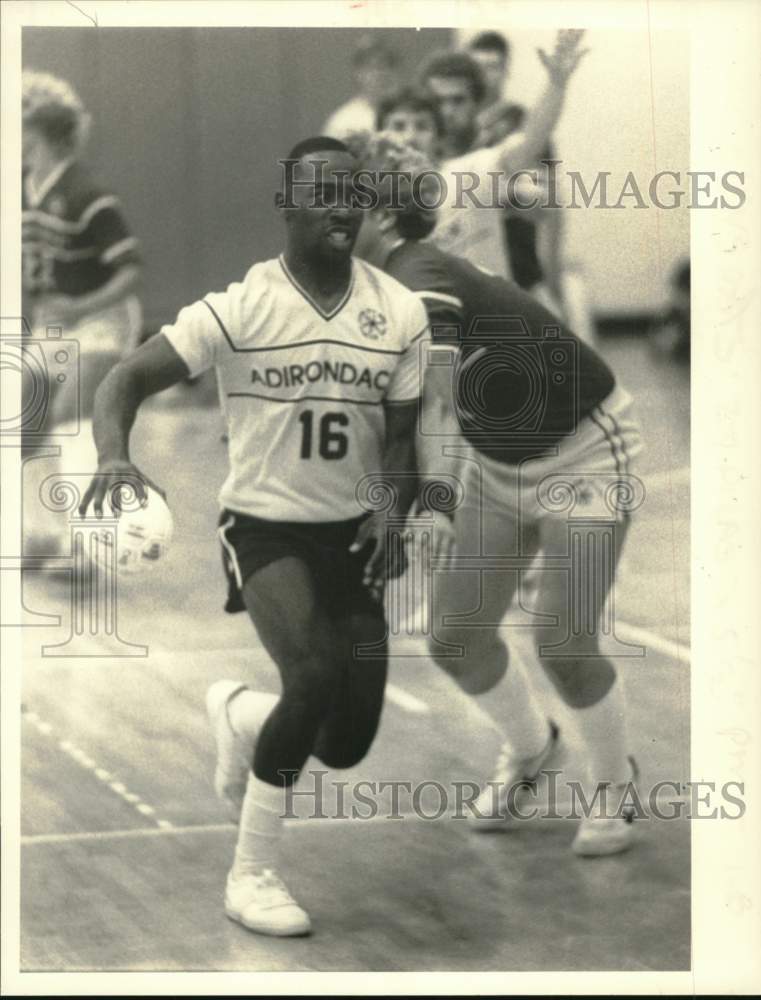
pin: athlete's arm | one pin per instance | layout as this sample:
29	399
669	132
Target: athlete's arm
522	151
151	368
550	249
400	472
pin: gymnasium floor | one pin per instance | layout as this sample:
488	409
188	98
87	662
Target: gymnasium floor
125	849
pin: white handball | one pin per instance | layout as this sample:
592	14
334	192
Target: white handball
143	536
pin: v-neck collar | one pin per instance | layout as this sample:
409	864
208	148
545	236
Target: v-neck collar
36	195
312	302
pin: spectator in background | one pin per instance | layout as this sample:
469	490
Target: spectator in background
375	67
475	229
412	116
456	82
497	118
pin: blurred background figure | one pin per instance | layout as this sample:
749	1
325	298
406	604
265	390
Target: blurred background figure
456	83
498	117
375	69
670	332
80	267
533	239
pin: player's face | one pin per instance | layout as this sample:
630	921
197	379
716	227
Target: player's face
494	70
324	223
413	128
456	103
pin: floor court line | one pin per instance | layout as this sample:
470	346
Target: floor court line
682	653
40	839
663	797
406	701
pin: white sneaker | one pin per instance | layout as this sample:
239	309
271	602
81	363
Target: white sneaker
512	777
261	902
598	836
234	753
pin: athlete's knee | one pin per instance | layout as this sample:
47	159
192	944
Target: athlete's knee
476	659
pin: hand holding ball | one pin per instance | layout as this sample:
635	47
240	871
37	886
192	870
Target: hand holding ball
142	525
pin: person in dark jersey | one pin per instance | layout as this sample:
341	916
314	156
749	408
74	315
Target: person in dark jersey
537	412
80	262
80	274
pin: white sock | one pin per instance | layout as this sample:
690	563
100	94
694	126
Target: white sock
260	827
513	707
247	711
602	727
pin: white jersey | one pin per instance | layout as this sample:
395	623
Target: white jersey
303	390
470	230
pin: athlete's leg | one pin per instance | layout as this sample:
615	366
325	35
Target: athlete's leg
303	642
586	679
581	674
296	632
349	729
479	598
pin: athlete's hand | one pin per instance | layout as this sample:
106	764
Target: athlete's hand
566	56
381	565
119	478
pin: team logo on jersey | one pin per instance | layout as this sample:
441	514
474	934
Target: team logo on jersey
372	324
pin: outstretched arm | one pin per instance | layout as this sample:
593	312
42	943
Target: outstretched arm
521	151
152	367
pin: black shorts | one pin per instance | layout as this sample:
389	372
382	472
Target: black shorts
251	543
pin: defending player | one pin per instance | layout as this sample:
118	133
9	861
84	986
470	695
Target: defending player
586	430
317	359
80	264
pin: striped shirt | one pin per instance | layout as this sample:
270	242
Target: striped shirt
74	236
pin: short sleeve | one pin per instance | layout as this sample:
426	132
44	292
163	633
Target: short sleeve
198	334
108	233
406	383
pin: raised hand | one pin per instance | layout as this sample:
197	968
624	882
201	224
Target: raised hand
565	57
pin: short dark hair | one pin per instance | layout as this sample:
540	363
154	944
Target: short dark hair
456	66
490	41
317	144
411	99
